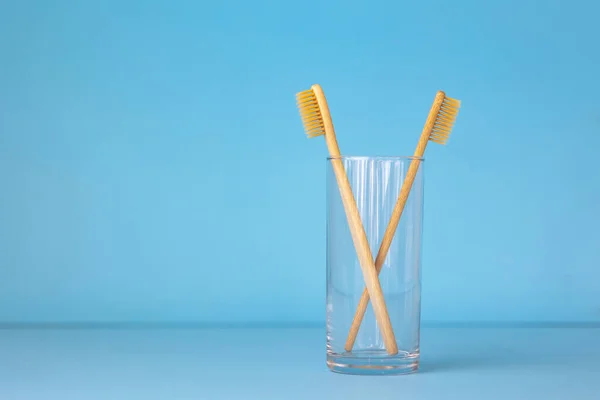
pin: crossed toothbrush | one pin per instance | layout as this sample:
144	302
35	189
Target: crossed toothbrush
317	121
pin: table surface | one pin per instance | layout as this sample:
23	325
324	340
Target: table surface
289	363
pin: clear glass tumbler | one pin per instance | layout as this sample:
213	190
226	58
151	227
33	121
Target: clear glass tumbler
376	184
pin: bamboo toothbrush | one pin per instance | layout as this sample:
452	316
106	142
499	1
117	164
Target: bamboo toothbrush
437	129
317	121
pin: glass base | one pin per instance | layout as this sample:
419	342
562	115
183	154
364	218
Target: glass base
373	363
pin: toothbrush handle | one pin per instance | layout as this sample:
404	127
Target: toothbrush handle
359	236
383	250
396	214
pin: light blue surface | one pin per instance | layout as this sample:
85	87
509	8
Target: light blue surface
289	364
153	166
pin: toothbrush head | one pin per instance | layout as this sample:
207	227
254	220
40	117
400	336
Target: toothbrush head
310	112
445	118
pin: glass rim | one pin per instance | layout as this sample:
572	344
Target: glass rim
376	158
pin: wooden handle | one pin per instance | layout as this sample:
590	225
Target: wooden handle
396	214
359	236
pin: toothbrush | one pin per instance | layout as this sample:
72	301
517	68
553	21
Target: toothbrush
317	121
438	127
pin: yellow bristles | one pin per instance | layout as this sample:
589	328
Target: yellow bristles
445	120
310	113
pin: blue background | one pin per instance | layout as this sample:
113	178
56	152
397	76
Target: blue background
153	167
